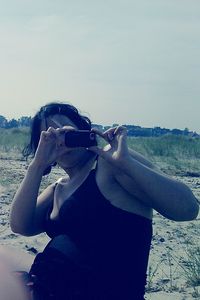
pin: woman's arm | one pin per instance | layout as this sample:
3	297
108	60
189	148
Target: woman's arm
28	210
140	158
171	198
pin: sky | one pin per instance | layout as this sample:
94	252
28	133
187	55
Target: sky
118	61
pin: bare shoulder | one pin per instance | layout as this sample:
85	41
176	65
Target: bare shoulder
62	181
105	173
117	191
47	195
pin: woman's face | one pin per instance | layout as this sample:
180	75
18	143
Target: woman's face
59	121
72	156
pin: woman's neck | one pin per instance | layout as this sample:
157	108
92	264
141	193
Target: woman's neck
85	162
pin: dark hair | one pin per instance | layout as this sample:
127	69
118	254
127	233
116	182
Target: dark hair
50	109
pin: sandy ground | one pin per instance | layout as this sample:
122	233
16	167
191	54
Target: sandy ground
167	275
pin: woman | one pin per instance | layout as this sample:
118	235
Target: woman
99	215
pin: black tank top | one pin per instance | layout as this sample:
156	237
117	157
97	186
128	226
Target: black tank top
115	242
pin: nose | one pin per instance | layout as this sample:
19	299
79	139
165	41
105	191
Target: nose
55	123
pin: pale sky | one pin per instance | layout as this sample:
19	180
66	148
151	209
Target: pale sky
119	61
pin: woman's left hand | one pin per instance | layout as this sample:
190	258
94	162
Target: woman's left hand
116	151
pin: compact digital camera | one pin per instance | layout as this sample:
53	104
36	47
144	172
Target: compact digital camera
80	138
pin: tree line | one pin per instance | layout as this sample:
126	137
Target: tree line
132	130
13	123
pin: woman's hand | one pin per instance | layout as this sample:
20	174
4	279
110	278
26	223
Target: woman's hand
116	152
51	145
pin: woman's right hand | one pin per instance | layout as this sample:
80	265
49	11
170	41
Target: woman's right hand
51	145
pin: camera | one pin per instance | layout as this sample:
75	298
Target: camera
80	138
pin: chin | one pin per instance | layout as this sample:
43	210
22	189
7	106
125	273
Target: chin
71	157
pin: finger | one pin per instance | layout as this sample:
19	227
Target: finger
48	135
121	134
61	134
101	134
97	131
120	130
52	133
51	129
110	129
107	135
122	140
111	133
43	135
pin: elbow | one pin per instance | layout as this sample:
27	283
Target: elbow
25	230
22	232
17	229
15	226
18	226
189	206
183	208
189	211
193	211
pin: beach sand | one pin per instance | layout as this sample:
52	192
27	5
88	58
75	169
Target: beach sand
167	278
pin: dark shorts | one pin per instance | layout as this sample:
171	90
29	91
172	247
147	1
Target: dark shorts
60	273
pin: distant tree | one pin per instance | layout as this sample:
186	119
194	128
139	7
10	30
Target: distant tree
3	122
12	124
24	121
186	131
177	131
